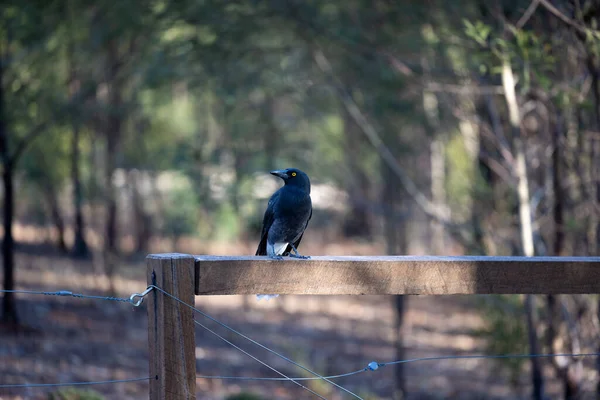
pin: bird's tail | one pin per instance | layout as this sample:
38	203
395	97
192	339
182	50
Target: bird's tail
262	247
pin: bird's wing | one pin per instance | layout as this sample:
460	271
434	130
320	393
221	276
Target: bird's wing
297	242
267	222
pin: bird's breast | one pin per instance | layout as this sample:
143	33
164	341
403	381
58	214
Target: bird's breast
293	206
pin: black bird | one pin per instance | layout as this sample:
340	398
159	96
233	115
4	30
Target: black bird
287	216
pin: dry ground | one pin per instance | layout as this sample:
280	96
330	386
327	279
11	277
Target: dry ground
81	340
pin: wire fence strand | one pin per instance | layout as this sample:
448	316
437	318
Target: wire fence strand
42	385
285	377
318	376
373	365
136	299
67	293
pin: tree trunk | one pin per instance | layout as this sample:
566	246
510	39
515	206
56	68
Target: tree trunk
534	347
80	246
594	185
438	167
113	136
111	201
471	204
598	358
57	218
399	374
271	135
594	228
358	222
559	195
395	244
525	219
9	309
142	221
239	163
438	193
569	371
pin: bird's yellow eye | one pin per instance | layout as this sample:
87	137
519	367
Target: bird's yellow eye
293	174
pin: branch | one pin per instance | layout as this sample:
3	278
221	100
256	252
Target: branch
580	28
461	89
26	141
430	208
527	14
504	173
499	137
80	97
398	65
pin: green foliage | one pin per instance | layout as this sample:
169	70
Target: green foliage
505	331
462	175
532	54
478	31
208	88
227	226
75	394
181	215
47	161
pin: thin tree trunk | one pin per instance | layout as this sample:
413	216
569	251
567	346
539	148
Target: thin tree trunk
571	370
110	237
113	134
438	170
525	219
9	309
80	246
557	245
239	161
438	192
395	244
399	372
559	194
594	220
358	224
594	229
142	221
271	135
598	358
567	370
111	201
57	218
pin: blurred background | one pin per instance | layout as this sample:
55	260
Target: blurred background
431	127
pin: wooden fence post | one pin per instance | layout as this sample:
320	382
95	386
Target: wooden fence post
171	327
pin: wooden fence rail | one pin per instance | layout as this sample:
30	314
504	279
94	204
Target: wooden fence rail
171	324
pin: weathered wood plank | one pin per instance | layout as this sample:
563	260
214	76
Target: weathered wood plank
397	275
171	328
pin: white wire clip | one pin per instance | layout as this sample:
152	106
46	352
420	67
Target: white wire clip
140	295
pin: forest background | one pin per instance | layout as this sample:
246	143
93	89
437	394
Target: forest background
431	127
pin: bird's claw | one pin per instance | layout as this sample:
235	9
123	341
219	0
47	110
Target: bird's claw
299	256
276	257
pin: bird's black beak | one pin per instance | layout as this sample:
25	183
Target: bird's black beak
280	173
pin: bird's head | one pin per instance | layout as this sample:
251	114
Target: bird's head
293	177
